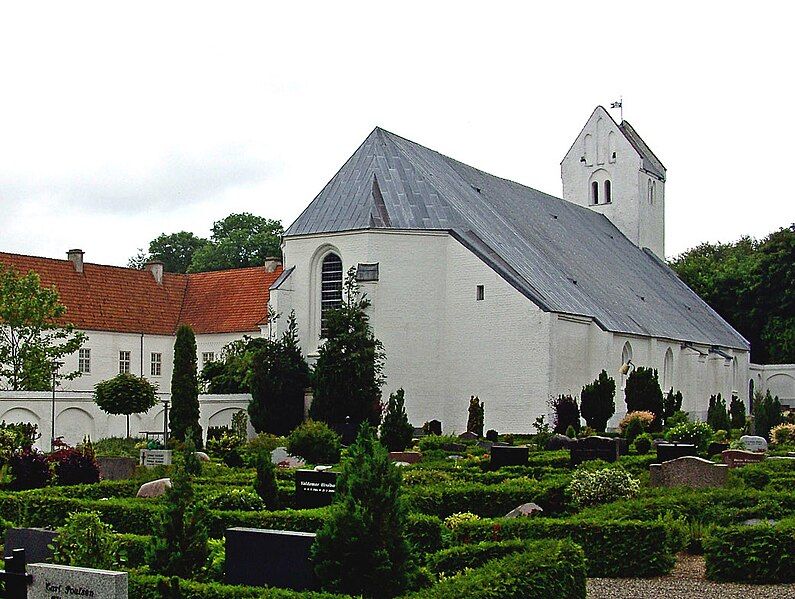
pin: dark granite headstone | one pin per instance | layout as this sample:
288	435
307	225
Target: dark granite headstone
623	445
35	542
509	456
456	447
670	451
593	448
716	448
434	427
469	436
273	558
314	489
347	432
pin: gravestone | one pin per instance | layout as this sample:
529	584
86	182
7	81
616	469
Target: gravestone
557	442
156	457
409	457
116	468
688	471
434	427
754	443
593	448
314	489
468	436
51	581
457	447
509	456
716	448
670	451
622	445
35	542
273	558
735	458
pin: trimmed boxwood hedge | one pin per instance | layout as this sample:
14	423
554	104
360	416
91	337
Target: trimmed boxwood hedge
542	570
456	559
148	587
613	549
758	554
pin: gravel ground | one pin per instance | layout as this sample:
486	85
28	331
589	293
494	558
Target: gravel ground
685	582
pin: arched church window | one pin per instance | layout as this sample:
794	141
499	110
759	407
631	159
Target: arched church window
608	192
626	356
330	288
595	192
668	370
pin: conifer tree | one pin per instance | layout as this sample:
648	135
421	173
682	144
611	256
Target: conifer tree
672	403
737	412
266	486
396	430
362	549
767	413
597	402
184	412
643	393
476	416
717	415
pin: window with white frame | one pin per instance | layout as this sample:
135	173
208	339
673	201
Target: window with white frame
207	356
124	362
156	364
84	361
330	288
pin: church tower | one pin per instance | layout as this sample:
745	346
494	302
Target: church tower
611	170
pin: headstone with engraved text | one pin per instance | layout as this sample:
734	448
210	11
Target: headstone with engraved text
314	489
50	581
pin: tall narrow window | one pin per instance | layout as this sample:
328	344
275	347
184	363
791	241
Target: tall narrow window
207	356
84	361
668	371
124	362
595	192
608	192
330	289
626	357
480	293
156	365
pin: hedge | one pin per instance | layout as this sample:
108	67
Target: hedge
758	554
456	559
150	587
544	569
613	549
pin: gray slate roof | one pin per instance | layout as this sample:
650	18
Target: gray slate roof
651	163
564	257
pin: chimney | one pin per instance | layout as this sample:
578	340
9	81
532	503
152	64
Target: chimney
76	258
272	263
156	268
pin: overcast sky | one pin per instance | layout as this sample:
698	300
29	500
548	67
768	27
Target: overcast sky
120	121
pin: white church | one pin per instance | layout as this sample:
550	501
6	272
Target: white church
483	286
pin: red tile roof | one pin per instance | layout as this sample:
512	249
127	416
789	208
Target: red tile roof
110	298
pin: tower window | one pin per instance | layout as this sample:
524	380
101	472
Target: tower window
480	293
595	192
330	289
608	194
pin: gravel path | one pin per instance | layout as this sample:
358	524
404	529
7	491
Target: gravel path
685	582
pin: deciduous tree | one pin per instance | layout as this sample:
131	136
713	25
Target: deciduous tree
125	394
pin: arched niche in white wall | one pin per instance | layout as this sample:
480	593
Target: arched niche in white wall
20	415
668	370
73	424
626	356
223	417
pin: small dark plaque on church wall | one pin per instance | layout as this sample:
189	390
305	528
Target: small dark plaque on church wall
314	489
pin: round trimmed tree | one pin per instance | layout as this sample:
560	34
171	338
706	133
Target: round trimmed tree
125	394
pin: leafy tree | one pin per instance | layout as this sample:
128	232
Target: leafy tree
643	393
752	285
184	413
125	394
396	430
566	413
672	403
266	486
279	378
767	413
87	542
348	373
737	412
233	371
174	250
238	241
362	547
597	403
717	414
138	261
32	335
476	415
179	543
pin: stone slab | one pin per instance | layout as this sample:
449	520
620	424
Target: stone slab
509	456
734	458
274	558
116	468
593	448
51	581
314	489
156	457
754	443
35	542
689	471
434	427
409	457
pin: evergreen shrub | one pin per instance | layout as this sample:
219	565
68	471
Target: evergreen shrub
597	402
737	412
759	554
85	541
589	487
184	413
316	442
698	433
643	443
476	415
265	485
567	414
396	430
717	414
643	394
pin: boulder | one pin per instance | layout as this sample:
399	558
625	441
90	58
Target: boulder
526	509
203	457
557	442
154	488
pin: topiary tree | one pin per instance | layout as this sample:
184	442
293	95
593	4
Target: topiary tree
279	378
566	413
717	414
767	413
597	402
179	541
362	549
396	430
316	442
672	403
737	412
125	394
349	368
477	413
184	413
643	393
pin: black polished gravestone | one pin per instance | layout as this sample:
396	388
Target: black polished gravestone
593	448
509	456
434	427
670	451
35	541
272	558
314	489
